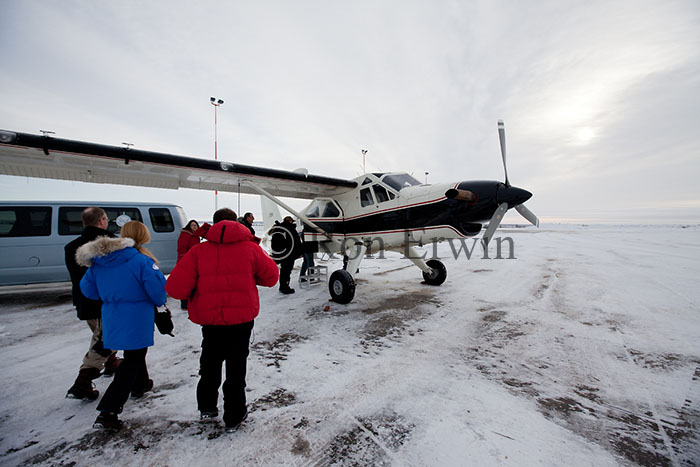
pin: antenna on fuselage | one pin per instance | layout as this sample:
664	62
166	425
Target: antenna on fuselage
364	161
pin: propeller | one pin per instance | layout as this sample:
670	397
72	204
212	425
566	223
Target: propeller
527	214
494	223
516	196
502	139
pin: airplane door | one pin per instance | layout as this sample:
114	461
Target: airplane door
328	215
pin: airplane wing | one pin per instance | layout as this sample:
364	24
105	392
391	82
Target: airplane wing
27	155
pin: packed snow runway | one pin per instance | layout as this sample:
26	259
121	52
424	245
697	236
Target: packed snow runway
583	350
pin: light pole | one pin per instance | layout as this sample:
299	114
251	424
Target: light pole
216	103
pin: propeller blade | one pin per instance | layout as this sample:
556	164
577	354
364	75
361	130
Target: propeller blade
494	223
527	214
502	139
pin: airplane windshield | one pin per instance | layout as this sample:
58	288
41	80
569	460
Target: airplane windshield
400	181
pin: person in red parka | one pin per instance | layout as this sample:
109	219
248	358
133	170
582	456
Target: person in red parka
219	277
185	241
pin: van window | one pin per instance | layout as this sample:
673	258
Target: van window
161	220
70	222
25	221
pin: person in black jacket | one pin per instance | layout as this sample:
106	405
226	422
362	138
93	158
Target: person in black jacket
286	248
247	220
95	222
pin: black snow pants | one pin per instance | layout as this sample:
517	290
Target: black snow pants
224	344
131	374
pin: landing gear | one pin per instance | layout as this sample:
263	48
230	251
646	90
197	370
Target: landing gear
341	286
437	274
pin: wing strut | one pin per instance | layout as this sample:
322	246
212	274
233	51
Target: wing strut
277	201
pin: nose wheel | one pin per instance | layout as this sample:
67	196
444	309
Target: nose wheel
437	274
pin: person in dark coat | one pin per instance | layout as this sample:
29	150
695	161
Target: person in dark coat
285	249
125	276
247	220
221	277
308	249
185	241
95	222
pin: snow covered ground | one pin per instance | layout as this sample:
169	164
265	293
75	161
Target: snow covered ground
584	350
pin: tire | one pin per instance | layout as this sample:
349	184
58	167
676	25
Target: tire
439	273
341	287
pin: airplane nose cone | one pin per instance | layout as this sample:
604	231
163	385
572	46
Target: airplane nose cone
514	196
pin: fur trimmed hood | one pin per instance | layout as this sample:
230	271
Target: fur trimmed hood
102	246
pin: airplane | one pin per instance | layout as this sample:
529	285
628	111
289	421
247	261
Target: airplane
355	218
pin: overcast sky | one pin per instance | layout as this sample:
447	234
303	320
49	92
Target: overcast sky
601	99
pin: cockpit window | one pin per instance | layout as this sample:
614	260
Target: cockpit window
400	181
366	197
381	194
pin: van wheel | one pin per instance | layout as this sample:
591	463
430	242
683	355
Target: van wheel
438	273
341	286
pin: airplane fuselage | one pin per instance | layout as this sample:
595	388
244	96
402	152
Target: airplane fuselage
382	214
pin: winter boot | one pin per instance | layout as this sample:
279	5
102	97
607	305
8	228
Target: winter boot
287	290
139	391
111	365
108	421
207	415
83	388
232	427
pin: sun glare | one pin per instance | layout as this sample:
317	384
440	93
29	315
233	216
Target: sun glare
584	135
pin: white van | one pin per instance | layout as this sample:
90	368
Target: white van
34	233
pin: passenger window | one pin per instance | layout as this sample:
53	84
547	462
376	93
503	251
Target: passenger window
322	208
25	221
113	213
70	221
330	210
161	220
313	210
366	197
8	218
381	193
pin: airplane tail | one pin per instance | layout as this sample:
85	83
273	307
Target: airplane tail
270	213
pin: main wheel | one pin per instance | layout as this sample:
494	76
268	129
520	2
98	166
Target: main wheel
438	273
341	286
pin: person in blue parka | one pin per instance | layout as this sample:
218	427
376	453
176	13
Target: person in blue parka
125	276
